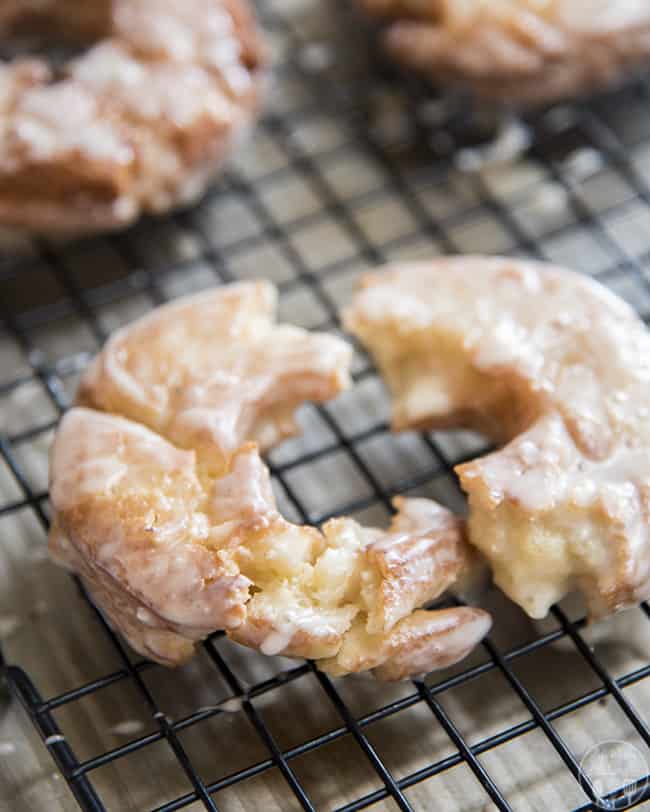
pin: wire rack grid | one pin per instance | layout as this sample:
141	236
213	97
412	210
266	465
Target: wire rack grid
327	187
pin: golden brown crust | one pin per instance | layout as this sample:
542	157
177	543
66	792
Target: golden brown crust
139	123
126	502
524	51
213	370
557	367
423	553
175	544
413	645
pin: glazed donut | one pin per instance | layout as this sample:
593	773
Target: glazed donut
523	51
138	124
163	506
556	367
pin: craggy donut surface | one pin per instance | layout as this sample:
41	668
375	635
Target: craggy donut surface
164	506
525	51
558	368
138	123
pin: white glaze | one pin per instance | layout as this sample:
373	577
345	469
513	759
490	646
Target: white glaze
245	492
279	639
561	367
236	369
94	452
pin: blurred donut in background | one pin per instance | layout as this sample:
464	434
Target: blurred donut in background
526	52
138	123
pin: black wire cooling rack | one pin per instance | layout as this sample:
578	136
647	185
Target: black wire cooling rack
321	136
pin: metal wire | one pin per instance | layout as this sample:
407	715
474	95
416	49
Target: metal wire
594	125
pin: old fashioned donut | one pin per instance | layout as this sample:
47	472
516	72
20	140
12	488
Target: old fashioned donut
139	123
164	506
557	368
523	51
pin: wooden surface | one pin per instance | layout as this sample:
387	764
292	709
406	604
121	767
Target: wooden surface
49	630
